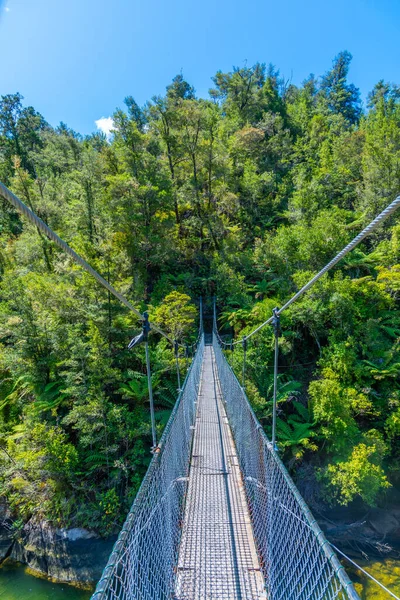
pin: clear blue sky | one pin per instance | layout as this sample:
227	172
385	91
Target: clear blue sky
75	61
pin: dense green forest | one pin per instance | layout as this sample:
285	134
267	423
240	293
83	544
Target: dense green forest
244	195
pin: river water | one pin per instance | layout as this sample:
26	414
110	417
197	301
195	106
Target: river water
386	571
17	584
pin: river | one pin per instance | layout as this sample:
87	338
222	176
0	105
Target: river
17	584
386	571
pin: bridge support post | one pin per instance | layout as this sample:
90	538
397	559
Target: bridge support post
276	326
146	329
244	343
187	354
178	375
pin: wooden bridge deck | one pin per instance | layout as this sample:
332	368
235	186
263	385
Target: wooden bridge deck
217	558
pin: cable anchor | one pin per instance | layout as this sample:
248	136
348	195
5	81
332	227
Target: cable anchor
276	322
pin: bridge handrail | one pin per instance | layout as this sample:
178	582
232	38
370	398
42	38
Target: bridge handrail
143	558
253	445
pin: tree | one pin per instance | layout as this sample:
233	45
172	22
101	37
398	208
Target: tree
245	195
341	97
176	314
180	89
381	152
240	91
20	129
360	476
136	113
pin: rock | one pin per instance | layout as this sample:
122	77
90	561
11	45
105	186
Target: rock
76	533
384	522
6	537
359	529
65	555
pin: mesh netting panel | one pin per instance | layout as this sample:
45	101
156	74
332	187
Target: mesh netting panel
142	564
297	561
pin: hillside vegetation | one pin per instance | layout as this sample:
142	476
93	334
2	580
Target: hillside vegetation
244	195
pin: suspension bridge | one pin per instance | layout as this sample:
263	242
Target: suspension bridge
217	515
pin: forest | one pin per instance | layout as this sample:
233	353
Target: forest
245	196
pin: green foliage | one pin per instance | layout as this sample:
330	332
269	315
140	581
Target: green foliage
110	510
332	408
360	475
296	432
243	196
176	314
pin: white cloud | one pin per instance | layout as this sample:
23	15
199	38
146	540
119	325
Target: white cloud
106	125
7	9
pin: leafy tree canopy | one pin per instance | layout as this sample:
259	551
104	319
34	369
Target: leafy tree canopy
244	195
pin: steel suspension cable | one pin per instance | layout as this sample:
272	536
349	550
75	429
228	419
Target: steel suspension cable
41	225
389	210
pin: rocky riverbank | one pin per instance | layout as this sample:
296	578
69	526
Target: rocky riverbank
365	531
75	556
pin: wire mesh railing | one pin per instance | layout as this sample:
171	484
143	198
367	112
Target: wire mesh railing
297	561
141	566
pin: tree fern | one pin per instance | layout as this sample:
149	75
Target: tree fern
97	461
50	398
296	432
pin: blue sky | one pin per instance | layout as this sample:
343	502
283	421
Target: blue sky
76	61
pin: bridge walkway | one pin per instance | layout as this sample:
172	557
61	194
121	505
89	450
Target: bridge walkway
218	558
